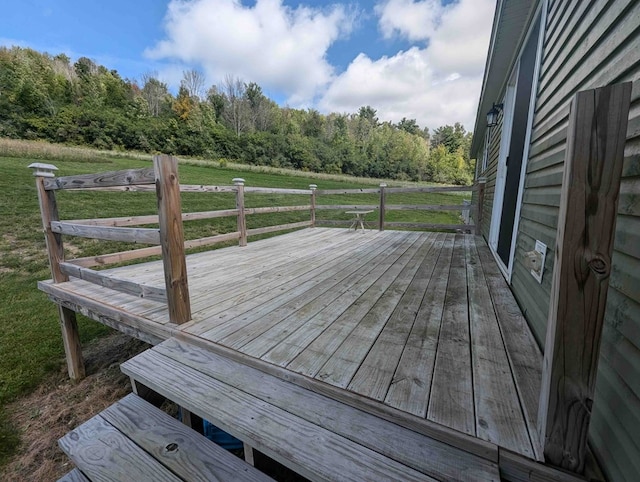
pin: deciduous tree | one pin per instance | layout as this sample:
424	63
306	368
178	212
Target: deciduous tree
193	81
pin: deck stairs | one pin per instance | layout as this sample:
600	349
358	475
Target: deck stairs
134	441
315	435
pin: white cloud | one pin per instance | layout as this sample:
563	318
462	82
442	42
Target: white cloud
460	41
284	49
404	85
436	83
457	34
413	20
279	47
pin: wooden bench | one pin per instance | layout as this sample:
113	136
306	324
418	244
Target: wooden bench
314	435
133	440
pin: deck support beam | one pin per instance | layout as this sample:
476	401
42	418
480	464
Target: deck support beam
172	238
586	229
71	342
55	252
248	454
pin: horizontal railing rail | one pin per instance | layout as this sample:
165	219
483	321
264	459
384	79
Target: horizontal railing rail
277	209
426	207
346	206
428	226
151	188
432	189
114	258
102	180
276	190
279	227
347	191
107	280
128	235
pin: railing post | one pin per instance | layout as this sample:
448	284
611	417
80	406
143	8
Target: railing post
55	252
172	238
382	207
313	188
465	213
594	156
477	215
242	221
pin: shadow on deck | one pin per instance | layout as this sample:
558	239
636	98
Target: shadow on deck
417	328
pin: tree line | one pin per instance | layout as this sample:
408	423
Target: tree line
52	98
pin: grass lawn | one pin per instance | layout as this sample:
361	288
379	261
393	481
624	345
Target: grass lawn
30	341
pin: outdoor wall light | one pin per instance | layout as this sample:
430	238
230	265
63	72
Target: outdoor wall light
492	115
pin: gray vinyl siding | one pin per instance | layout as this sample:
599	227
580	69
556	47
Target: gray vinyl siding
586	45
590	44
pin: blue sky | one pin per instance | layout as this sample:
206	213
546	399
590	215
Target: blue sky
419	59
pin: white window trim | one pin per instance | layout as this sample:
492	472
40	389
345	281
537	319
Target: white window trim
485	150
501	173
505	141
527	140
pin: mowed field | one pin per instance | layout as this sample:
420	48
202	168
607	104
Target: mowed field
30	343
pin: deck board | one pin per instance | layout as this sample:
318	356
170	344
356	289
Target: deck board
106	454
316	354
411	384
451	402
325	308
343	364
268	289
194	458
522	349
402	445
499	417
376	371
226	284
339	311
303	302
404	322
270	428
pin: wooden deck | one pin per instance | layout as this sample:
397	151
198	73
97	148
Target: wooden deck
415	327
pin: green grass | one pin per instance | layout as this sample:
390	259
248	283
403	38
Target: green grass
30	342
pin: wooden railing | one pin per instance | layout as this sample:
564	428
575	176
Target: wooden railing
383	207
168	240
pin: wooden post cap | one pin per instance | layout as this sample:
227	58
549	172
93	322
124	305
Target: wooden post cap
41	169
313	186
238	181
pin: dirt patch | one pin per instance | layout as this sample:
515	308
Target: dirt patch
72	248
60	405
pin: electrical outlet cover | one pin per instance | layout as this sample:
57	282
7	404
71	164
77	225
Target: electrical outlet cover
542	249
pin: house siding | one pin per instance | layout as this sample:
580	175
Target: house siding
587	44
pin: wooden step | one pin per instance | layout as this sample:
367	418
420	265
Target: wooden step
314	435
133	440
74	476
